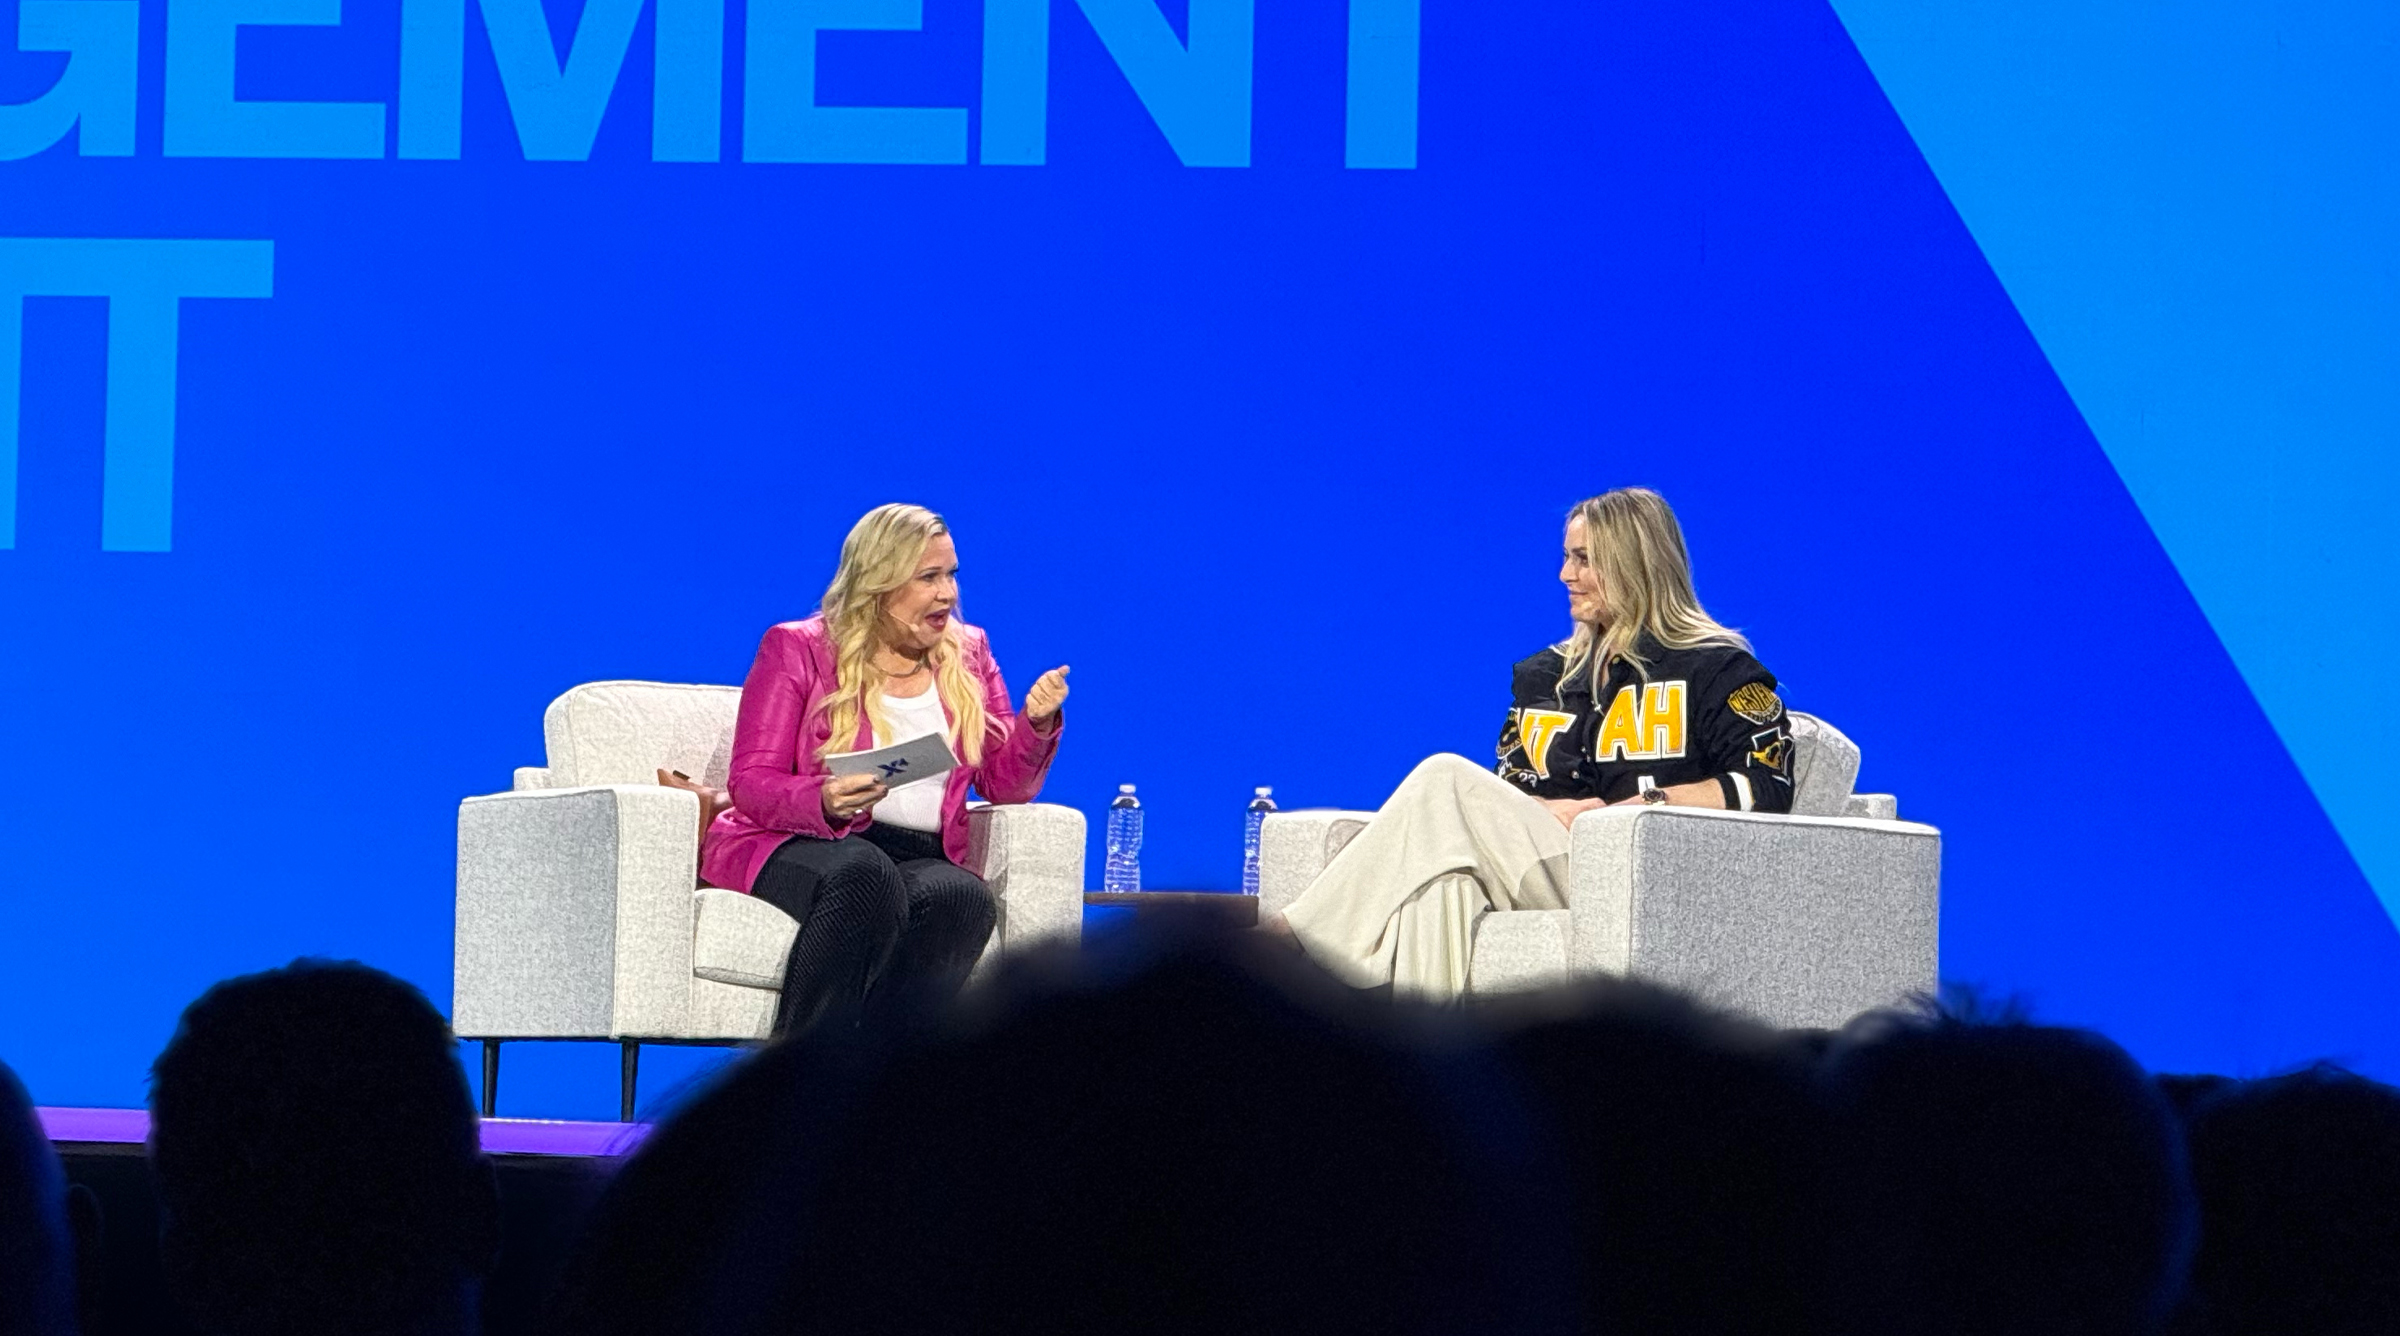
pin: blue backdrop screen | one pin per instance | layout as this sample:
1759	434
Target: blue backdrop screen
380	372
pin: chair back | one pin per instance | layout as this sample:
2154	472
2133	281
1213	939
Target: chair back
624	732
1824	766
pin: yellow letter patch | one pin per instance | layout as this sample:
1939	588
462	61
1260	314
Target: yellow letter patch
1643	725
1536	730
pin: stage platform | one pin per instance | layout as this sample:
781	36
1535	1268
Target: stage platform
501	1136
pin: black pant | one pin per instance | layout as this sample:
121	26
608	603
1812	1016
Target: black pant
884	917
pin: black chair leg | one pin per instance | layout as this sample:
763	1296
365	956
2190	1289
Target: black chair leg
632	1064
491	1075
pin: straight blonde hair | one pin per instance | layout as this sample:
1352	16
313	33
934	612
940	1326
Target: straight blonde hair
879	556
1636	548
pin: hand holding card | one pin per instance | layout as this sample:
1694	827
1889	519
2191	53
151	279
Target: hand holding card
893	766
845	796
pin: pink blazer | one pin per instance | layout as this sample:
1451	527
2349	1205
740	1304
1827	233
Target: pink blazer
777	781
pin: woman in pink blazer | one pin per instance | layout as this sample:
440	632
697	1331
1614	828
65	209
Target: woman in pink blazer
871	873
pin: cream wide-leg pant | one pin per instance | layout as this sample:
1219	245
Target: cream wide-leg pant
1398	905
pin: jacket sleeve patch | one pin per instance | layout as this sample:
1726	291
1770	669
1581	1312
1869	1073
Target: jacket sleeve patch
1756	702
1772	750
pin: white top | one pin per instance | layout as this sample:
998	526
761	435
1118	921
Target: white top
916	805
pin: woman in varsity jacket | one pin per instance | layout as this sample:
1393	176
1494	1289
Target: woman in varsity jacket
1650	700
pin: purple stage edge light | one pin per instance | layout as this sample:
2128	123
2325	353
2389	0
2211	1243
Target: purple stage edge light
501	1136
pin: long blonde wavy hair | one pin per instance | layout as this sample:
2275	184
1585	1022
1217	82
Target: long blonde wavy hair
879	556
1636	548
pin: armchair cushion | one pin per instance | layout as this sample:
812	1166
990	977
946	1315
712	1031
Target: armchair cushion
1824	766
1518	951
626	732
740	939
1873	806
1293	847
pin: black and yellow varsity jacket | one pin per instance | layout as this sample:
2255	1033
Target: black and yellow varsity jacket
1706	713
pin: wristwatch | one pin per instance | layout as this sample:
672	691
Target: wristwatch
1652	794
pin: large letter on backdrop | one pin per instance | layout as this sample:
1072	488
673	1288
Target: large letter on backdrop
433	62
1380	129
687	112
97	88
558	104
781	121
145	283
205	119
1198	92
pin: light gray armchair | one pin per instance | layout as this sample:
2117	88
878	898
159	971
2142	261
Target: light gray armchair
1799	920
577	913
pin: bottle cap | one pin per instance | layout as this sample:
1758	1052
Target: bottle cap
1266	790
1124	788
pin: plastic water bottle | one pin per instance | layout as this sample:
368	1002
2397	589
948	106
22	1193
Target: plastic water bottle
1124	868
1252	820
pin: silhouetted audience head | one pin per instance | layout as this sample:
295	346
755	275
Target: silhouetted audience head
2007	1179
316	1158
1695	1156
37	1248
2299	1183
676	1210
1165	1139
2185	1093
1188	1136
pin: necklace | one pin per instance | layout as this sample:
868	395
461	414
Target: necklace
889	675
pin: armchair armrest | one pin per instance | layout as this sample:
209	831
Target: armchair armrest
1293	847
1031	854
1800	921
574	915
